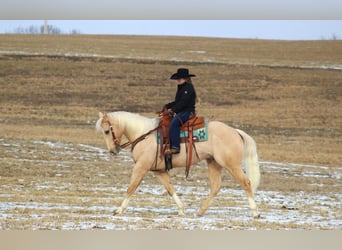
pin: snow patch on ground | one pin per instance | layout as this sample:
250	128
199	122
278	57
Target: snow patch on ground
230	210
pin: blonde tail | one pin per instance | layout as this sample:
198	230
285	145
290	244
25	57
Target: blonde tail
251	160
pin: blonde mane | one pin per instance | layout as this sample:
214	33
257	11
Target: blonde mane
132	121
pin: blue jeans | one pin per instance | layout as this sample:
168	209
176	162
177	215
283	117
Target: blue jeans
175	128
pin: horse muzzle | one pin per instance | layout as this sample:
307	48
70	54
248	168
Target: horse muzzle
114	151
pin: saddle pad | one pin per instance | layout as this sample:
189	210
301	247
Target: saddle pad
200	134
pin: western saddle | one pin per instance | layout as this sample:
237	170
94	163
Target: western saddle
195	122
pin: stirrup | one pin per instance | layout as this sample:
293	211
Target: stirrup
168	161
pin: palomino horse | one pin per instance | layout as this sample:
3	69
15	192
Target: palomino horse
226	147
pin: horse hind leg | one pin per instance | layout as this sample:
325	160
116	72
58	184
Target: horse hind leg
245	183
215	180
164	178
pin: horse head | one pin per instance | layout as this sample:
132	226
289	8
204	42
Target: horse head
111	133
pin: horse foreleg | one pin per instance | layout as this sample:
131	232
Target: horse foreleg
214	170
137	176
123	207
164	178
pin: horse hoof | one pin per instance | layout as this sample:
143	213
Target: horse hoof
117	212
181	213
257	216
200	214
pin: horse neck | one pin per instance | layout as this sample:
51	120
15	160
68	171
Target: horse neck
134	126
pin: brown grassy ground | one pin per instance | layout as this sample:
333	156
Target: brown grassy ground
293	113
52	88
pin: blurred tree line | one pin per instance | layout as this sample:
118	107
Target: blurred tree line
51	29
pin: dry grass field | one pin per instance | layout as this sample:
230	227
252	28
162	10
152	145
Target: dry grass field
55	173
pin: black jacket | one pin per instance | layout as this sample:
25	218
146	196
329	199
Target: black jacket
185	99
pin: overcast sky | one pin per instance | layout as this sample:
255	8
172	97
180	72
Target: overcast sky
262	29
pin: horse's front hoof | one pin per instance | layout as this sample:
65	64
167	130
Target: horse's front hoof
201	212
117	212
257	216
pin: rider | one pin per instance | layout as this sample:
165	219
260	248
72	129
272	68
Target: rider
182	108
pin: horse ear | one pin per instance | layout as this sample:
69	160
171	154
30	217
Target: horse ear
101	114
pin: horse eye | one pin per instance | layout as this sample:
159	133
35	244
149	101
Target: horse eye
106	132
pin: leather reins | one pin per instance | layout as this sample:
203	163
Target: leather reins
126	144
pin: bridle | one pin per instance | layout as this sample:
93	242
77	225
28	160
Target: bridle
126	144
115	139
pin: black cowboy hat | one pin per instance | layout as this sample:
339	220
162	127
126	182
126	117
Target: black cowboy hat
181	73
